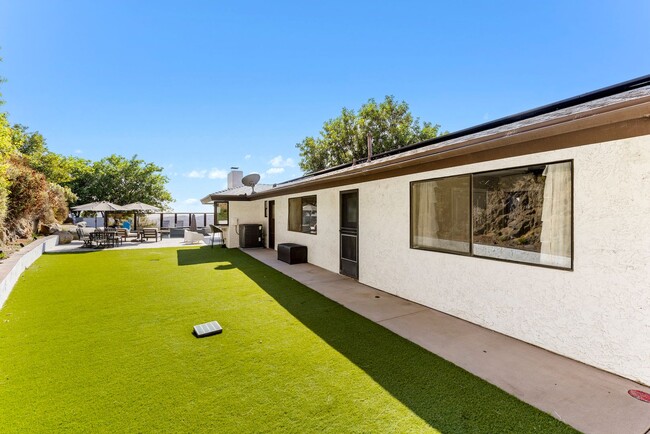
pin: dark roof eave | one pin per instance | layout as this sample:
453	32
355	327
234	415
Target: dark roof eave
225	198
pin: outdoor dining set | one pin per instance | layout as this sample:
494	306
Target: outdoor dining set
113	237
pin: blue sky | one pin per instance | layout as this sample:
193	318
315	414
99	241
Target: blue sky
198	87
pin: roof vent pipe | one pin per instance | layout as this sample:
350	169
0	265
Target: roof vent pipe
369	147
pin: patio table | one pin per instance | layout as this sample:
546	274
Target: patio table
105	239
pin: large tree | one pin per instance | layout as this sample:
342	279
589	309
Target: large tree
121	180
345	139
57	168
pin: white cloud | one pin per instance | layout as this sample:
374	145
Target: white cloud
279	161
217	174
196	174
247	157
78	151
211	174
275	170
191	201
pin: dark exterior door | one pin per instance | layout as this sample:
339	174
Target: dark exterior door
272	224
349	233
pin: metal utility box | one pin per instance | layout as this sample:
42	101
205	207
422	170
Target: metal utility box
250	235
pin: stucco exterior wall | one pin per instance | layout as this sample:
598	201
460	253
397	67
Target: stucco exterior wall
243	213
598	314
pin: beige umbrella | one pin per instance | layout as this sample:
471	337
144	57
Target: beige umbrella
103	207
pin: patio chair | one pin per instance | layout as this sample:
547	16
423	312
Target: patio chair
148	233
124	233
216	230
83	236
112	237
192	237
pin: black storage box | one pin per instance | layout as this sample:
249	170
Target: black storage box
292	253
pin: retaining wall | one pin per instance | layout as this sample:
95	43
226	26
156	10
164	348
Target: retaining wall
13	267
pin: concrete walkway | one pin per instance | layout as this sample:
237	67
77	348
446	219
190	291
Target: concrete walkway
590	400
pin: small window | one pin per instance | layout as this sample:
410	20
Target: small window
302	214
221	213
522	214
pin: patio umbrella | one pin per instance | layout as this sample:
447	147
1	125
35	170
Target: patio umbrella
193	223
139	207
103	207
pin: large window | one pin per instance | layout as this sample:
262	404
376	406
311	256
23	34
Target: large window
302	214
522	214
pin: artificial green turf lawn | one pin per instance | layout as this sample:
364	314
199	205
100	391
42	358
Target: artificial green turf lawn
101	341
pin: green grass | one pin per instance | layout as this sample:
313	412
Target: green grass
101	341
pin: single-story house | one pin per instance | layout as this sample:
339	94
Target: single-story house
534	225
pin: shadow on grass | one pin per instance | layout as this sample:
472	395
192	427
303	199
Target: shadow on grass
202	255
74	252
442	394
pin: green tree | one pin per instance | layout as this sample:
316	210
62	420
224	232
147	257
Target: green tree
6	151
121	180
345	139
57	168
30	178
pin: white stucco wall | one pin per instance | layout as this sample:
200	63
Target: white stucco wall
598	314
243	213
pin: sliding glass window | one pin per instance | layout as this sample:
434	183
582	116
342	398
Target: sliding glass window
523	214
440	214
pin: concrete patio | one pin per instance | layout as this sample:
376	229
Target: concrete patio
582	396
77	245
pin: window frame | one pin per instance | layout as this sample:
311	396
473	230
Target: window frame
302	204
434	249
471	216
216	214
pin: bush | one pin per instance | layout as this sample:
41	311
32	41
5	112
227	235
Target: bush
28	192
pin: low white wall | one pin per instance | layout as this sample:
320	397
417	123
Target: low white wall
13	267
598	313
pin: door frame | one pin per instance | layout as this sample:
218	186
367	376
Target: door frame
271	224
341	232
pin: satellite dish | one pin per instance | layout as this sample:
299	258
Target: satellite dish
251	181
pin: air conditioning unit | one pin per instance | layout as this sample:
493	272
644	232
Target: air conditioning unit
250	235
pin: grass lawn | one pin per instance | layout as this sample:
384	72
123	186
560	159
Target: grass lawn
101	341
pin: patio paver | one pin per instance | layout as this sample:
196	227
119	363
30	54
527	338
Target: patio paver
587	398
